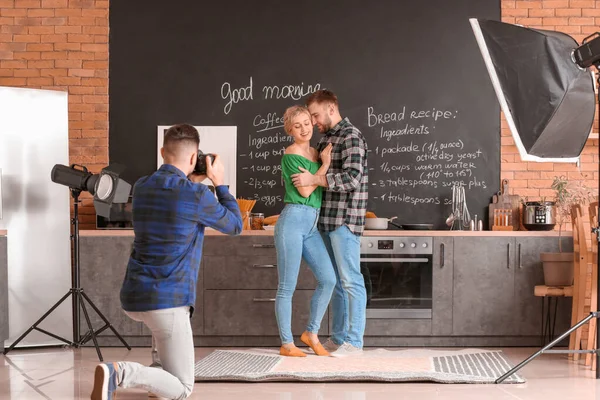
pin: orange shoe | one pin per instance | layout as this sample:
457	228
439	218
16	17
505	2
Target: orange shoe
293	352
318	348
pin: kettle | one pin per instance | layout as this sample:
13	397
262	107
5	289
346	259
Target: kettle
539	215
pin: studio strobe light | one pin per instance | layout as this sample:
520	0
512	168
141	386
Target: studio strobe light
107	189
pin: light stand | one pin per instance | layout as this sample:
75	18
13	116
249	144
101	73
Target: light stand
78	181
593	314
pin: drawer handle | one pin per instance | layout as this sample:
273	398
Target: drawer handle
263	246
256	300
442	261
264	266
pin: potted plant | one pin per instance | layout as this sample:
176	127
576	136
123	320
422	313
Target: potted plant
558	267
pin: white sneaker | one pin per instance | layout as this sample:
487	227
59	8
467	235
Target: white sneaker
330	345
346	350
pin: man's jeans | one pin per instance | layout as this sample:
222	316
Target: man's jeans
349	300
172	331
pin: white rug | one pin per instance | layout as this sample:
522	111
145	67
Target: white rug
409	365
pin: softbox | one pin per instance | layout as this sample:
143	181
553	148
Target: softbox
547	99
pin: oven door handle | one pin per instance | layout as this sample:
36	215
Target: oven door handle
413	260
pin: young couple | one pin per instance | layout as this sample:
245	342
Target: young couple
322	221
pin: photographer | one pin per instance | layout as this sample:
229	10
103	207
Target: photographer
171	208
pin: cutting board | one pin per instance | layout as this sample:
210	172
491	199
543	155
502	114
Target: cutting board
504	200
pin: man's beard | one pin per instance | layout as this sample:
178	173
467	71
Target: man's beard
326	125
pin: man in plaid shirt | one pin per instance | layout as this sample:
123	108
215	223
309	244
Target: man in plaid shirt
171	208
342	218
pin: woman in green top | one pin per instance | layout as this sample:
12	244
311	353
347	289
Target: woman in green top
297	236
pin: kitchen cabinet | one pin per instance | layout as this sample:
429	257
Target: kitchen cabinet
240	284
443	276
494	279
483	292
243	272
252	313
103	263
482	287
246	246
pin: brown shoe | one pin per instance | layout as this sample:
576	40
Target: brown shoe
317	348
292	352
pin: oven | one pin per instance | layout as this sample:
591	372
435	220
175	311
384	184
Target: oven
398	274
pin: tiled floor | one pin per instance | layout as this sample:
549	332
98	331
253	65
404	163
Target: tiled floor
67	374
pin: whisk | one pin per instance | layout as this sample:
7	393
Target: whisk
460	218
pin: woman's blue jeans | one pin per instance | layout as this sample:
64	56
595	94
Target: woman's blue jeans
297	237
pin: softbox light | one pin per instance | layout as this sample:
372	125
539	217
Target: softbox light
548	101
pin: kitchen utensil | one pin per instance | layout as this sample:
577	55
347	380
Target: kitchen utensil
460	218
395	224
380	224
539	216
417	227
505	201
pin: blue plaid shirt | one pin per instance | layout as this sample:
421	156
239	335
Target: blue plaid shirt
169	216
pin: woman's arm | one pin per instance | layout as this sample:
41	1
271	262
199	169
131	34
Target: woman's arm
306	191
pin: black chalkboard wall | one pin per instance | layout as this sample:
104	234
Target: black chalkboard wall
408	74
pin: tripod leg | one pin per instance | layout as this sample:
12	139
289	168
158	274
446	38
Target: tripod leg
549	346
105	320
34	326
93	334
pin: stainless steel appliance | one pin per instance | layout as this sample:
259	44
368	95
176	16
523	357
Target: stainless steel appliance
539	216
398	273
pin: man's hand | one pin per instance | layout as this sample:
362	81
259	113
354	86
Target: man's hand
326	155
304	178
215	171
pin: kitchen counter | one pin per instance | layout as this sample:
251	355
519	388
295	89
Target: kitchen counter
482	293
212	232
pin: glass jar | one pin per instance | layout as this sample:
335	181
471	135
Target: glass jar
256	221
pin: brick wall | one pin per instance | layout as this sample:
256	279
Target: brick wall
63	45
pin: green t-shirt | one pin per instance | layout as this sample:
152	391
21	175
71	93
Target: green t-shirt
289	167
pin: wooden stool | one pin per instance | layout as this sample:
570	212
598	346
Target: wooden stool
550	292
581	257
591	340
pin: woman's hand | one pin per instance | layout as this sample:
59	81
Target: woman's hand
326	155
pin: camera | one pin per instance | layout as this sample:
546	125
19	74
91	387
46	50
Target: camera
200	167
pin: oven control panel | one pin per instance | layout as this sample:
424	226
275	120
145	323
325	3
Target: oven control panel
396	245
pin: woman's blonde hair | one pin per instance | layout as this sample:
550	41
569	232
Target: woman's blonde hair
291	113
